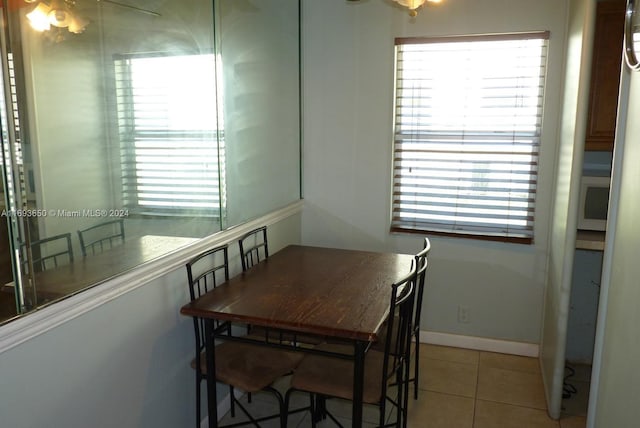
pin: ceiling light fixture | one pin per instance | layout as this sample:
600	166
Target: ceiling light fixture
52	16
414	5
56	13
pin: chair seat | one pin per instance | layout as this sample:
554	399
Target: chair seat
250	367
333	376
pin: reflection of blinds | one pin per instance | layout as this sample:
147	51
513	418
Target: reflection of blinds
17	140
467	131
172	153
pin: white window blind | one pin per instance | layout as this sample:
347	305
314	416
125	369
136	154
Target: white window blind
468	118
172	146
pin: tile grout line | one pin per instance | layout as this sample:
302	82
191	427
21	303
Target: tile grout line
475	396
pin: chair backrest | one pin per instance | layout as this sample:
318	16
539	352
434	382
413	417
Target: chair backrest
96	239
205	272
253	247
48	253
398	339
421	262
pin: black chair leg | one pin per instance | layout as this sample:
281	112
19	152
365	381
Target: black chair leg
382	411
403	404
283	405
321	407
403	388
416	368
232	398
198	382
315	415
284	414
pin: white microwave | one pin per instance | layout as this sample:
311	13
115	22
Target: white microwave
594	203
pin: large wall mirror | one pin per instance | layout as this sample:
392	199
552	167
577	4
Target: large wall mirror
132	128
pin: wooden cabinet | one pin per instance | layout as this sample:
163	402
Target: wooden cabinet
605	75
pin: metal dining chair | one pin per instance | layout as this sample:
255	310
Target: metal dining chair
96	239
421	261
325	376
253	247
249	367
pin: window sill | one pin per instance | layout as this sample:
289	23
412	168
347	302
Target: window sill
506	239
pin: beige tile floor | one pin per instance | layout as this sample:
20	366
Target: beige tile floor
458	388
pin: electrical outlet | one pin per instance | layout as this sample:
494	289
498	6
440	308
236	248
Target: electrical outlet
463	314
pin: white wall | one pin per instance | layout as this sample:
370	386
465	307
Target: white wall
259	44
124	364
348	90
563	228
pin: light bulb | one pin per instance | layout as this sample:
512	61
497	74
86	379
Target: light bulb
78	25
38	17
412	5
59	14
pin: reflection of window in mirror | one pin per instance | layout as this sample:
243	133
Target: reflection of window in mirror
173	149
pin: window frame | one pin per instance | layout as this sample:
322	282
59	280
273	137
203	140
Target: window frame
400	218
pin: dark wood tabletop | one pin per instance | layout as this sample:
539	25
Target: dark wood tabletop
322	291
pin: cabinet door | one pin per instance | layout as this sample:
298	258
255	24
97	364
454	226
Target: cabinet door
605	75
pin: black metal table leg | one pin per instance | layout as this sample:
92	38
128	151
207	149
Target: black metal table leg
358	383
212	399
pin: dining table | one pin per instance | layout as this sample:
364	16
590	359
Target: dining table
335	294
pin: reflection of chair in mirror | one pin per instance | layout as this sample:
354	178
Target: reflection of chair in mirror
100	237
253	247
49	253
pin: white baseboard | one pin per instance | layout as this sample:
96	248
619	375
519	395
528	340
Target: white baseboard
480	343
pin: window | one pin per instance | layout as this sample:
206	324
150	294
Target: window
172	149
468	118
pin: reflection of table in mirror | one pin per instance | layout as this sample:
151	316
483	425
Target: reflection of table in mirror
92	269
